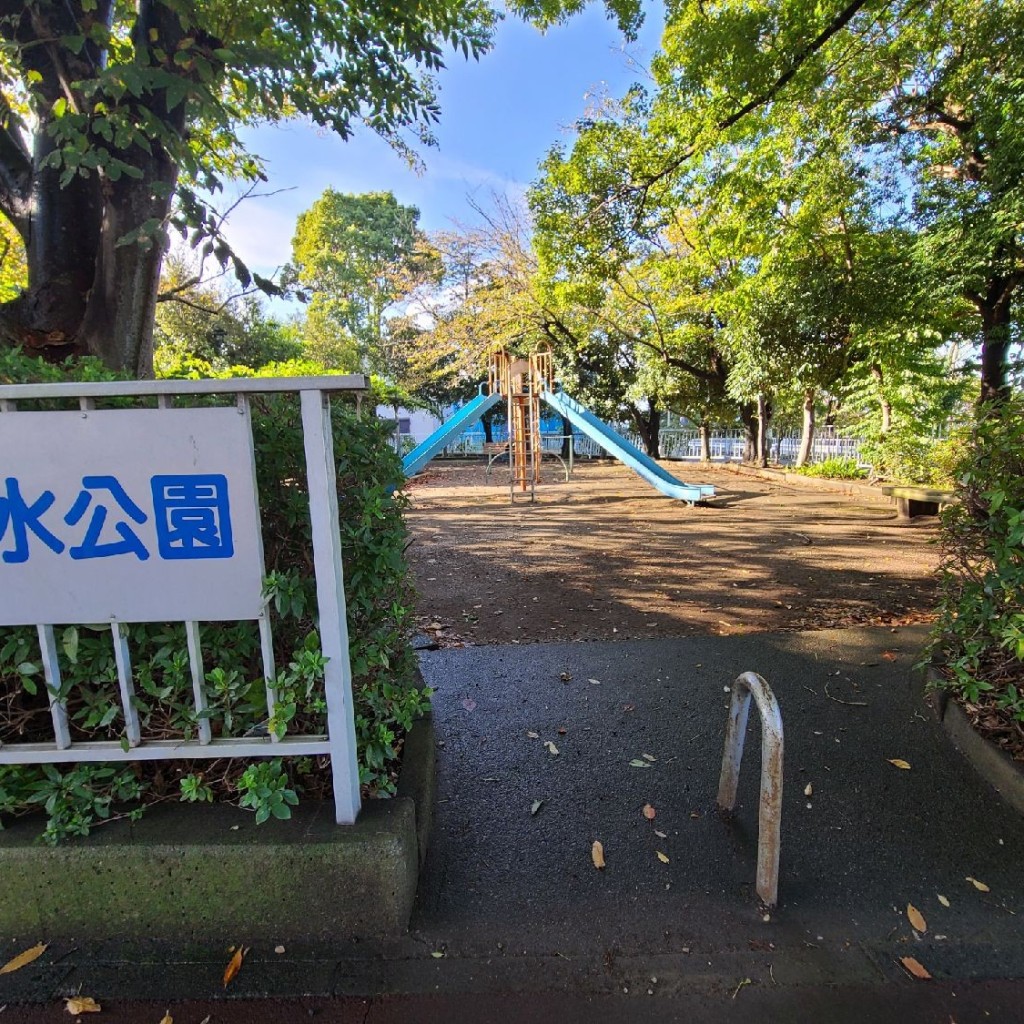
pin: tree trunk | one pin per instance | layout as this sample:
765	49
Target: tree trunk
830	413
566	437
807	437
996	340
704	432
763	420
748	417
648	427
95	246
63	235
876	373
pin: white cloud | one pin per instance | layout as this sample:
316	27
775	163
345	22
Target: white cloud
261	234
472	175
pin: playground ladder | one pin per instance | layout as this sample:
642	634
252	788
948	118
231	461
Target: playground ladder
524	417
521	381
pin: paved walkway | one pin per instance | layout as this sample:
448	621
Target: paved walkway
514	922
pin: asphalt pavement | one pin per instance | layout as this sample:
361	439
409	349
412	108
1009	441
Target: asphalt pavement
545	749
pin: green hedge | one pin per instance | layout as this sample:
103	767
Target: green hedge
379	602
833	468
979	634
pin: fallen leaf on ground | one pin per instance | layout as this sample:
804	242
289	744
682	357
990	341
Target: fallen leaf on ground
649	812
890	655
167	1018
660	835
637	763
649	757
898	762
916	919
597	854
663	857
552	749
26	957
437	954
82	1004
594	682
234	965
743	981
915	967
943	900
536	806
279	950
980	886
808	790
533	735
565	676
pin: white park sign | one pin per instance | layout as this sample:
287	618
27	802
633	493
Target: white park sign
123	515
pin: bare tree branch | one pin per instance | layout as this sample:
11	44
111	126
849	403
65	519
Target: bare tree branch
15	171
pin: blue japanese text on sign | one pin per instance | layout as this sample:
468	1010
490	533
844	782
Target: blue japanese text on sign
134	515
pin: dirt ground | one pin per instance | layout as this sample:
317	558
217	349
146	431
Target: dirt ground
605	556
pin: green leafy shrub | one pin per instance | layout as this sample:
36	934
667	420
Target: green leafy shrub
834	469
379	604
979	633
905	457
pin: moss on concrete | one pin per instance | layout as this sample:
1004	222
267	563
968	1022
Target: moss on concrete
200	872
210	872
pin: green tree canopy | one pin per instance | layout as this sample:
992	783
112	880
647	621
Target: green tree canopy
358	257
109	110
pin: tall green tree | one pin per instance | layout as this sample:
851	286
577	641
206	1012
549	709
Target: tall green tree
359	257
922	97
115	117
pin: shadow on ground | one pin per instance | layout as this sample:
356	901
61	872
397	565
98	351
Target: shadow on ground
606	557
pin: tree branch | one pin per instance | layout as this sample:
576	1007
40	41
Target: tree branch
15	171
833	28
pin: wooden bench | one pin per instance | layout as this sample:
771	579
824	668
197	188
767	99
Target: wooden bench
917	501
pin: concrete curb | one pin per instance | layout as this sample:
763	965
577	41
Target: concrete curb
995	766
200	873
418	781
813	483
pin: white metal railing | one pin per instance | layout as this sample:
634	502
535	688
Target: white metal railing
730	445
770	811
684	443
339	742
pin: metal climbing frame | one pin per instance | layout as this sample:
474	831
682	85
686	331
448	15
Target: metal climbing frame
769	822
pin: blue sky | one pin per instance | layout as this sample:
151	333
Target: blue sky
499	116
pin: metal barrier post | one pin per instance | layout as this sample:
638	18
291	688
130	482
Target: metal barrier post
770	812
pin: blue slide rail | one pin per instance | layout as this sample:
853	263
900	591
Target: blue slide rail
615	444
447	432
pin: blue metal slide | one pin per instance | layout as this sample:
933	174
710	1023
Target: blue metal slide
615	444
447	432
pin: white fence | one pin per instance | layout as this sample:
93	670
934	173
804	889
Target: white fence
17	401
729	445
726	445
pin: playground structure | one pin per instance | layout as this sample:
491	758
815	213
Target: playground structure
523	382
